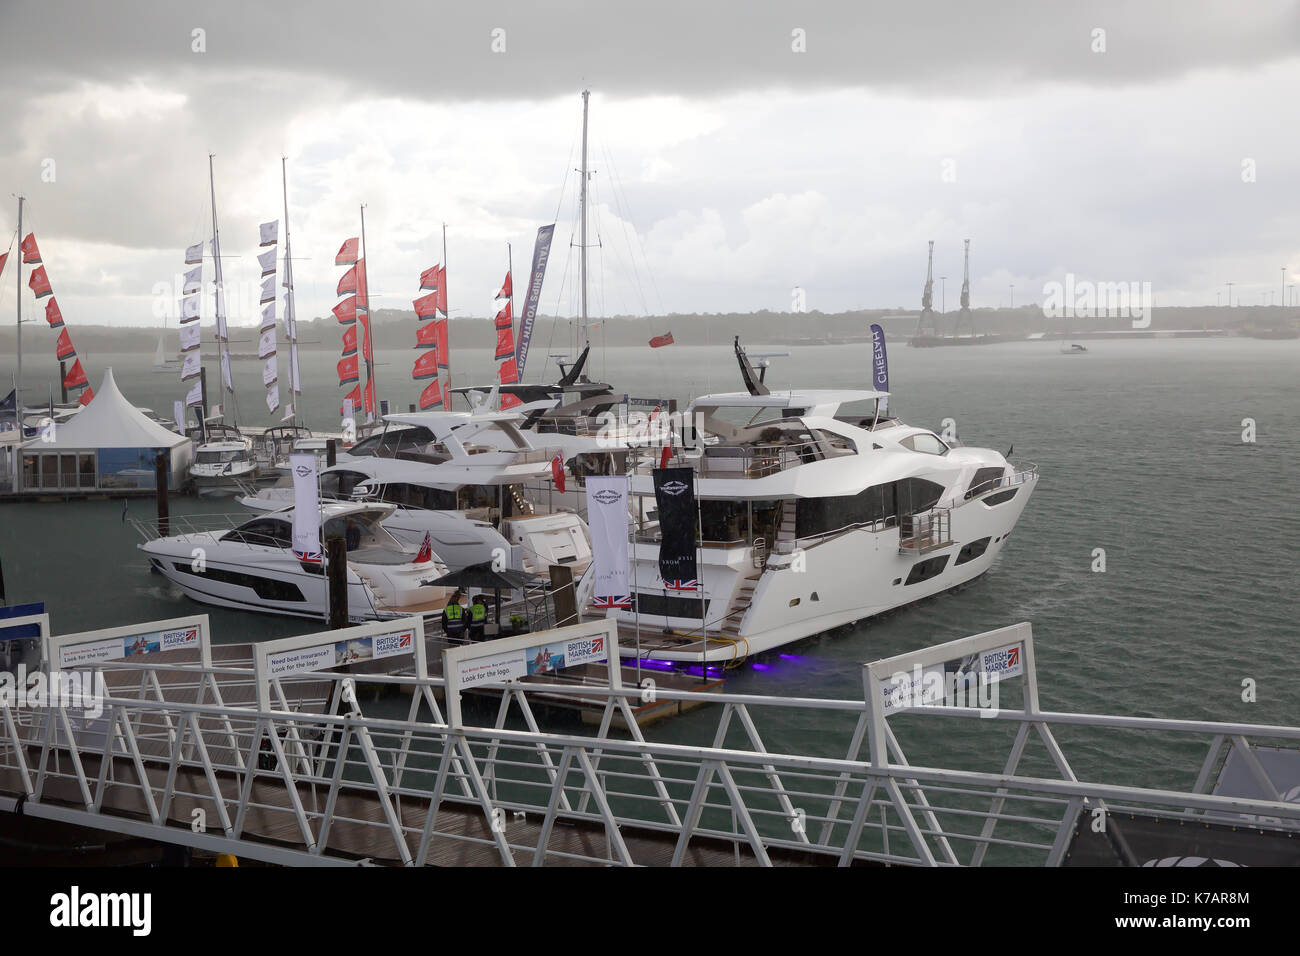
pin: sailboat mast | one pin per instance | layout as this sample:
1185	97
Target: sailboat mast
18	299
290	317
370	325
582	208
223	333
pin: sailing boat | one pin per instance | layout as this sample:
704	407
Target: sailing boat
160	361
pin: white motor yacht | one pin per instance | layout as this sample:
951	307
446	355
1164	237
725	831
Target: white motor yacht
252	566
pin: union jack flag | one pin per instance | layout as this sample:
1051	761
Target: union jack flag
678	585
309	557
612	600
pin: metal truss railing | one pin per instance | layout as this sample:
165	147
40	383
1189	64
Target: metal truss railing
339	785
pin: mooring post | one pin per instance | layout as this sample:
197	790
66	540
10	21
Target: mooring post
336	553
160	490
63	379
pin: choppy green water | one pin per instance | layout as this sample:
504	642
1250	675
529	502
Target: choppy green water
1139	445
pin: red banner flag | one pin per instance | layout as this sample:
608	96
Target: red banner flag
659	341
354	280
348	371
355	395
426	336
87	396
446	396
442	343
508	372
510	401
39	284
372	407
426	306
557	473
347	254
504	320
431	278
52	314
346	311
431	397
666	456
63	349
31	255
367	351
350	341
426	366
76	377
505	343
4	257
506	290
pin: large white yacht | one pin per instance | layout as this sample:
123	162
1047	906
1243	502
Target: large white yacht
816	511
458	478
253	566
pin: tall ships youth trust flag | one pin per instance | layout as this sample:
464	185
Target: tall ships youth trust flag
675	499
607	517
306	508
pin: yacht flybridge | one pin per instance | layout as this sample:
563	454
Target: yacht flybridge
816	510
457	477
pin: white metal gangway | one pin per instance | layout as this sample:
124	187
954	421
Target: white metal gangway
374	777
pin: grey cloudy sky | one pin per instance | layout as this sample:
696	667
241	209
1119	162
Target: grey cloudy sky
728	167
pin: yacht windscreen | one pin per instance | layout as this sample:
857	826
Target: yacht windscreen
746	416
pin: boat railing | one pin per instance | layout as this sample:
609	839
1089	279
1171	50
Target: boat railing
150	529
926	531
751	461
1020	473
876	525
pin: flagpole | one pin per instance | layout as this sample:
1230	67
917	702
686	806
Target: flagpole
370	327
18	382
447	316
291	319
636	593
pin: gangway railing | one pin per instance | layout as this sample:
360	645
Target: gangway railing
409	787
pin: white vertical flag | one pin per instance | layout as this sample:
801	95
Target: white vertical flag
607	517
306	508
178	412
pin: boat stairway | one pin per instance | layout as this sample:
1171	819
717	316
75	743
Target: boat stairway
736	613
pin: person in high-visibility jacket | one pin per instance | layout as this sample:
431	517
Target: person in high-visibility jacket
453	617
477	618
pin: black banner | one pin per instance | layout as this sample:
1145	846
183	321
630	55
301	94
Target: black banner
675	499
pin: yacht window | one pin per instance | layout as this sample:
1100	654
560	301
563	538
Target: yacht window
926	443
267	532
340	484
366	447
219	457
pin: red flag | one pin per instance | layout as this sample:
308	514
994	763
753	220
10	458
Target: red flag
431	278
426	550
442	343
367	350
510	401
63	349
52	313
346	311
354	280
347	254
426	336
446	395
348	371
506	290
557	473
87	396
666	456
31	255
355	395
505	343
39	284
4	257
503	319
659	341
431	397
76	377
426	306
371	405
508	372
350	341
426	366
